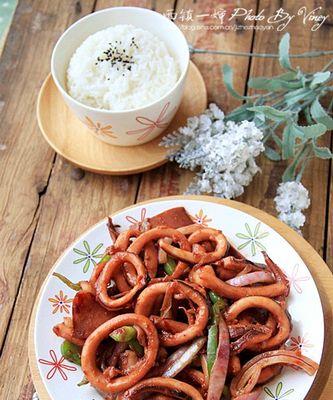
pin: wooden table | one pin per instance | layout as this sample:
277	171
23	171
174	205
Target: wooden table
45	204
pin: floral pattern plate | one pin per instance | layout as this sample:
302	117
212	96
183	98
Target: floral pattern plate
247	233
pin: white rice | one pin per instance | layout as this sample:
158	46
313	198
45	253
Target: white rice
99	84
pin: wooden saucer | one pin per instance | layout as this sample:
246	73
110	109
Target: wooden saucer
72	140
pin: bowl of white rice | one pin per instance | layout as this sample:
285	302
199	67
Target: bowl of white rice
122	71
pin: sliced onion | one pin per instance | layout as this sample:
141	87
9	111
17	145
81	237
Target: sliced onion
162	255
251	278
249	396
183	357
220	366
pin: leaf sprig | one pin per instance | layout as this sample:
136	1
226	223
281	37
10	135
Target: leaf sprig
279	107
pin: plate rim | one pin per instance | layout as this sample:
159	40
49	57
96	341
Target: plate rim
96	169
263	216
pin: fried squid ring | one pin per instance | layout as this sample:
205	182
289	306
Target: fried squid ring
145	303
205	276
110	270
248	377
166	386
189	229
270	305
160	233
200	257
100	380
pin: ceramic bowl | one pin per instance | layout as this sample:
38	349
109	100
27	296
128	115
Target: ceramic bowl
136	126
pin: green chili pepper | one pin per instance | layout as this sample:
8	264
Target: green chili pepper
226	393
71	352
84	381
136	346
124	334
66	281
105	258
211	346
169	266
214	297
218	306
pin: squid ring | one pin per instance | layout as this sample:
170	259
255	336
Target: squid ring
88	357
166	386
160	233
205	276
145	303
150	256
270	305
110	269
198	236
189	229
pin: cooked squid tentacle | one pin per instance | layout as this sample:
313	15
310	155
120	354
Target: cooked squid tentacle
245	381
117	261
100	380
271	306
160	233
205	276
145	303
167	386
198	236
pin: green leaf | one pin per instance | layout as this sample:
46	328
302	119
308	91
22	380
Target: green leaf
273	84
271	113
319	77
277	139
240	114
289	173
288	142
322	152
272	154
296	95
291	75
284	52
312	131
228	81
320	115
259	118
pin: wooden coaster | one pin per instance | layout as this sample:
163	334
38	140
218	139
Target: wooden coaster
73	141
322	388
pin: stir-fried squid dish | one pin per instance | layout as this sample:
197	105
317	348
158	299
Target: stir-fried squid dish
173	311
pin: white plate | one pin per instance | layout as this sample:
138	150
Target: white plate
245	232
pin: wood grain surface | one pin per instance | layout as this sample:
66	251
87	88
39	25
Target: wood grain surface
45	202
